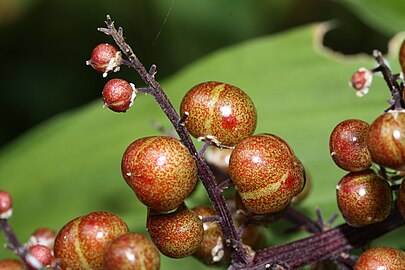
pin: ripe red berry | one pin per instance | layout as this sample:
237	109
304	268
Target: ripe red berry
39	256
266	173
384	258
348	145
160	170
220	110
212	250
401	200
11	264
105	58
364	198
131	251
6	204
118	95
177	234
81	243
386	140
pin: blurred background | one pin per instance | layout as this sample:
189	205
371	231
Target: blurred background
44	43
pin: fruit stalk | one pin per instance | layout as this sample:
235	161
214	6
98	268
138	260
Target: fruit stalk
233	241
14	243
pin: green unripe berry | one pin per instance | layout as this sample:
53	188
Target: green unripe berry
220	110
160	170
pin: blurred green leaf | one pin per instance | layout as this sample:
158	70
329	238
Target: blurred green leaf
70	165
385	16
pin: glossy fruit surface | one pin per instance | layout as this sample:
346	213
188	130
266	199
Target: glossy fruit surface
384	258
401	200
81	243
364	198
160	170
131	251
266	173
118	95
212	250
105	58
220	110
386	140
177	234
42	254
348	147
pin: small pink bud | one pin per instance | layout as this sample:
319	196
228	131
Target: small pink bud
118	95
361	81
39	256
6	204
105	58
44	237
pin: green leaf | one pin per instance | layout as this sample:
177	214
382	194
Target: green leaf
385	16
70	165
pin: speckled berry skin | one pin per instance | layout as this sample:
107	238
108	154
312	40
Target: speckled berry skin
131	251
42	254
266	173
160	170
348	145
11	264
105	58
386	140
384	258
5	201
118	95
212	250
81	243
177	234
364	198
401	200
220	110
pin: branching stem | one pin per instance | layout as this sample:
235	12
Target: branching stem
322	245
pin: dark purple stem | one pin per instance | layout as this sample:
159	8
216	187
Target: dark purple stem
14	244
329	244
390	79
232	239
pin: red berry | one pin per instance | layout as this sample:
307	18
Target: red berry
105	58
220	110
6	204
361	81
131	251
160	170
384	258
42	236
11	264
348	146
401	200
118	95
212	250
266	173
39	256
364	198
386	140
177	234
81	243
